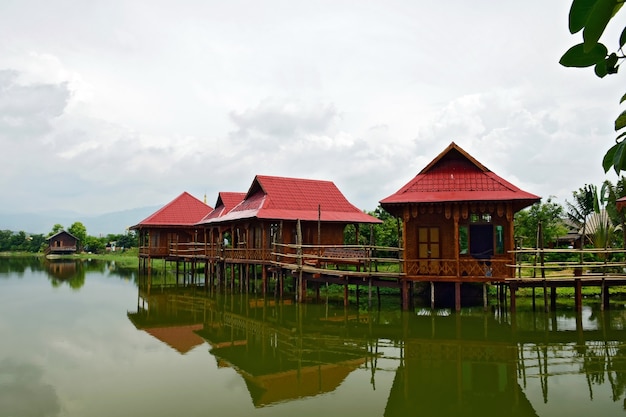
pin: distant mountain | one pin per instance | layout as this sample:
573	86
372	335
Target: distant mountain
100	225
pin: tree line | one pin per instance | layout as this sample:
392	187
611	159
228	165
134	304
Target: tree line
21	241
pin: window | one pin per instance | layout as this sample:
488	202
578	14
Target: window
463	240
499	239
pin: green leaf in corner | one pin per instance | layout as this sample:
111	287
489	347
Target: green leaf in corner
622	99
576	56
619	159
609	157
622	38
578	14
598	18
620	122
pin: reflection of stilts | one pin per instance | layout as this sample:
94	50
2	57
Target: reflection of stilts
543	371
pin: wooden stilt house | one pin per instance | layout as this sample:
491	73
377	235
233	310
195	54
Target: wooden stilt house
457	220
270	213
213	232
172	227
62	243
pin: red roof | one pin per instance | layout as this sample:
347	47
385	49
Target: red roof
454	175
184	210
280	198
225	202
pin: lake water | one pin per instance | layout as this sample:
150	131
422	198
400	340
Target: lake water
82	339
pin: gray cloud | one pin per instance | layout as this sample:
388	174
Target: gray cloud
26	111
274	120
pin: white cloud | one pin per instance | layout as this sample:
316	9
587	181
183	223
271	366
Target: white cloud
107	106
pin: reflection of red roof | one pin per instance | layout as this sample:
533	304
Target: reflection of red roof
305	382
184	210
181	338
283	198
454	175
225	202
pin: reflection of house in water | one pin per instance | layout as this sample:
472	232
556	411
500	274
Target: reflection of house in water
458	371
260	339
63	269
173	319
68	271
462	364
280	363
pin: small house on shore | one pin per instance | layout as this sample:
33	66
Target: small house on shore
62	243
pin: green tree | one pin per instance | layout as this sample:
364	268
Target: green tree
79	231
578	211
549	214
590	212
5	240
56	229
385	234
618	217
94	245
592	17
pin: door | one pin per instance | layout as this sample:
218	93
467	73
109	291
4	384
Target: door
481	241
428	250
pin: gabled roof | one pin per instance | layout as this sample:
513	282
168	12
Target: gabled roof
62	232
225	202
281	198
454	175
184	210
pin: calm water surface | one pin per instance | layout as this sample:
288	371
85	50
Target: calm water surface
82	339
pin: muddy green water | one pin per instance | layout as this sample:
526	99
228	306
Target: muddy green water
83	339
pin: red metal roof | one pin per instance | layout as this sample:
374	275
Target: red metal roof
281	198
225	202
184	210
454	175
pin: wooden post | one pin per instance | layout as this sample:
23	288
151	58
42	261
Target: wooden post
405	295
604	296
432	295
457	296
299	259
485	300
513	289
578	294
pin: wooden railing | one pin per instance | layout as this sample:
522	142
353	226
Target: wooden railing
464	267
360	258
60	249
555	263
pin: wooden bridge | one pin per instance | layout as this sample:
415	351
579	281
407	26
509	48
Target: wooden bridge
375	267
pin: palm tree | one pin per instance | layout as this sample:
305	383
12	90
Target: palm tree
585	203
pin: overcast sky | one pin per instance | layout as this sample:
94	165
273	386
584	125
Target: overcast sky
111	105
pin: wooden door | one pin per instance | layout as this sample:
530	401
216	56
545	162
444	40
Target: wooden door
428	250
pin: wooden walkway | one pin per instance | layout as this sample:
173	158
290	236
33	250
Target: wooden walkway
381	267
542	268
